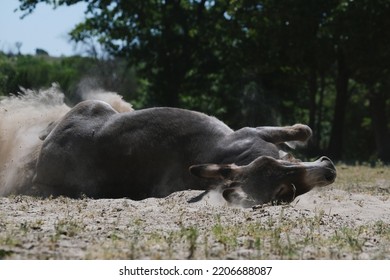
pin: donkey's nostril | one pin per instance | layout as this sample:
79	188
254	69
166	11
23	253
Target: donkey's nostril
330	176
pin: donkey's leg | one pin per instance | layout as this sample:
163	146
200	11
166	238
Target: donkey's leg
277	135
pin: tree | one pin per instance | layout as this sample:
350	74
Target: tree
18	46
362	54
256	62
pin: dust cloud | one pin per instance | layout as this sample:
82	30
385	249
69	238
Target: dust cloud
22	119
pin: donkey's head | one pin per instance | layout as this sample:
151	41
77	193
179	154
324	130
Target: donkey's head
267	179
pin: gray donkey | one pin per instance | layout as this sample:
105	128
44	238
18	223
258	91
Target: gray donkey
95	151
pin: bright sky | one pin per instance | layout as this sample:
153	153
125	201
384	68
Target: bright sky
45	28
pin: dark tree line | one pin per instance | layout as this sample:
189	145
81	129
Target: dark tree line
322	62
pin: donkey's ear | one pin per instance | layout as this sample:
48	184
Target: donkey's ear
214	171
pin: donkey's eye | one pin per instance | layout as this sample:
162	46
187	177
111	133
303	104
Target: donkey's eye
233	184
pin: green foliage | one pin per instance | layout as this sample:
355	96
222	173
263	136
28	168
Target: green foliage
35	72
73	74
247	62
8	78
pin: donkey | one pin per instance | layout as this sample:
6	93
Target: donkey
95	151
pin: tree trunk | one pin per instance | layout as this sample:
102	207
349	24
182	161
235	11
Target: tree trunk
313	89
379	124
320	110
335	148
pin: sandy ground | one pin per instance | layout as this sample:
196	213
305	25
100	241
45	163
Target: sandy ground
335	222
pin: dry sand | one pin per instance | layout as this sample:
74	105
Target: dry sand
348	220
344	221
